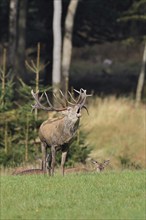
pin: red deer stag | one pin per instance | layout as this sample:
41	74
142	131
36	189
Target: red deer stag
57	134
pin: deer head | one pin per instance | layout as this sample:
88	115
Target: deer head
100	166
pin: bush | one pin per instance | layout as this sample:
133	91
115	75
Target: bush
78	151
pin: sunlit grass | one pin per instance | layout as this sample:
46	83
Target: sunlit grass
116	128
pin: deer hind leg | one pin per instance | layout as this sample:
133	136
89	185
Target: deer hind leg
49	161
63	159
53	159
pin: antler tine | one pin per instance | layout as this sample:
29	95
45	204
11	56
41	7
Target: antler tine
79	92
61	93
72	99
59	100
52	107
48	101
35	96
82	95
82	98
67	102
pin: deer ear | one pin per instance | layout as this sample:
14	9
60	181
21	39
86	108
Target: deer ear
95	162
106	162
64	112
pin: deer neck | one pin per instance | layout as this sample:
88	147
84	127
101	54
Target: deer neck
70	126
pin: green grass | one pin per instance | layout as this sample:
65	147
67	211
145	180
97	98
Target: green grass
110	195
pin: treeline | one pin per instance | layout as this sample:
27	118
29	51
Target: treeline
25	23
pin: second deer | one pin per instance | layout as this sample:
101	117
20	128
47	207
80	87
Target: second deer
98	167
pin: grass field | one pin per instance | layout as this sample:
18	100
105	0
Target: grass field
109	195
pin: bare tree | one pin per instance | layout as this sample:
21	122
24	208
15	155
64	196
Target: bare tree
17	38
21	38
141	78
56	72
67	43
13	15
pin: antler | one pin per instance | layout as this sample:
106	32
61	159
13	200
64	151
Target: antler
80	101
38	105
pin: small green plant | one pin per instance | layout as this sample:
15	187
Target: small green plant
6	86
127	163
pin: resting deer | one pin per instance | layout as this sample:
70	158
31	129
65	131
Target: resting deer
99	167
57	134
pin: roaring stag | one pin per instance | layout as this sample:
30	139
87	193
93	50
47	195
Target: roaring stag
57	134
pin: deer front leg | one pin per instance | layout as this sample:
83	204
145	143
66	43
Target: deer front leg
63	159
44	155
53	159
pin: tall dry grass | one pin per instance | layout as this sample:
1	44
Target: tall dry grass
116	130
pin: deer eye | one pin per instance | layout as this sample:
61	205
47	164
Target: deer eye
69	108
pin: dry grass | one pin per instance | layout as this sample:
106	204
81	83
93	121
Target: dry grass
115	128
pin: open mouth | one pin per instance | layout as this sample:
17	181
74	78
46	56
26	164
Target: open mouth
78	111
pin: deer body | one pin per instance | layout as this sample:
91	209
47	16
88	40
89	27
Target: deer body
57	134
98	167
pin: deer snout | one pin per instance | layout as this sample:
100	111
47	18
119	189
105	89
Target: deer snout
78	115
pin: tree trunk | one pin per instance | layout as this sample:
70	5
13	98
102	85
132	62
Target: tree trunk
13	16
17	38
67	44
141	79
21	43
56	72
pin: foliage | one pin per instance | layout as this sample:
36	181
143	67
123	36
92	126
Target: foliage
78	151
126	163
18	126
135	12
6	100
110	195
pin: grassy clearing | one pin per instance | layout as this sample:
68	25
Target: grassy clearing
110	195
116	129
